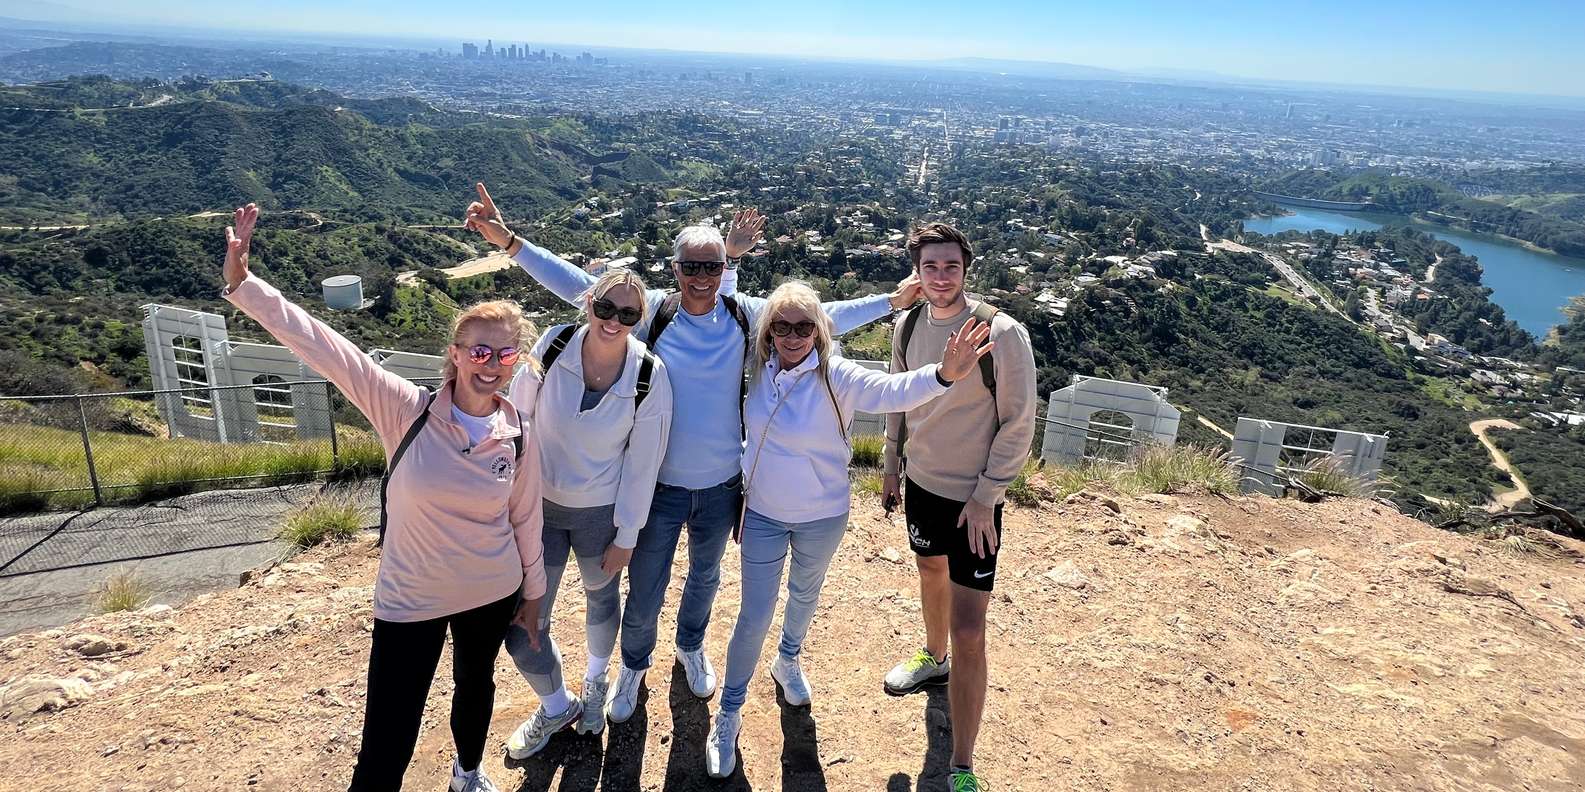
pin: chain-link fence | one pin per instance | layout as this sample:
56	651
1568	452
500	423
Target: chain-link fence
92	478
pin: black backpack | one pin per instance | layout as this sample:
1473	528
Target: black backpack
646	369
668	310
983	312
407	440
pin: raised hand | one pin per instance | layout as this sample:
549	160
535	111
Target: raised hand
483	217
964	349
908	292
747	229
239	235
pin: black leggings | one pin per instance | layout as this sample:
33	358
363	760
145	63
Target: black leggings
401	666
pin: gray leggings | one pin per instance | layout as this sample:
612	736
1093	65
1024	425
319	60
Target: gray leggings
585	534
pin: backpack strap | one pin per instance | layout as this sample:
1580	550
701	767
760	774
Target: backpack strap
401	450
663	316
910	320
646	372
985	312
558	344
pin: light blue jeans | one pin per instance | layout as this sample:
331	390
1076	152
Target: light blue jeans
709	514
766	543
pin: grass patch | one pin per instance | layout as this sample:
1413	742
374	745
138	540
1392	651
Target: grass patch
38	462
332	518
123	591
1193	469
868	480
867	450
1326	474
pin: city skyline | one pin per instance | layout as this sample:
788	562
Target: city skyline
1453	46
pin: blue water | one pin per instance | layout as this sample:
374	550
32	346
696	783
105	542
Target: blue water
1531	287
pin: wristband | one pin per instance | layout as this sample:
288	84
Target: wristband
945	383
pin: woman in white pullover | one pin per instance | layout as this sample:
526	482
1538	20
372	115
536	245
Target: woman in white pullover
603	407
795	465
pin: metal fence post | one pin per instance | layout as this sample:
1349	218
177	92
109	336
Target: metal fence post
330	405
88	451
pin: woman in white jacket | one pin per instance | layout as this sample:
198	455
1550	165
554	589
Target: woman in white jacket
603	407
795	468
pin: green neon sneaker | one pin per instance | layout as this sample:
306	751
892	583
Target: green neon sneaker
966	781
917	672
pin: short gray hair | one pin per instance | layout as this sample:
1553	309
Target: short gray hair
698	236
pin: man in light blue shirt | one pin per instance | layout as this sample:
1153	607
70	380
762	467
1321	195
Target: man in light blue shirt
701	336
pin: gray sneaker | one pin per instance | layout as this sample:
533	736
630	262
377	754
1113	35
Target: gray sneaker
535	733
916	673
475	781
593	720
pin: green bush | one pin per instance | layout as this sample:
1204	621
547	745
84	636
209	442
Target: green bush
331	518
867	450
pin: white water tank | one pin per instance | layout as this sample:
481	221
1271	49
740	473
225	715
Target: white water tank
343	292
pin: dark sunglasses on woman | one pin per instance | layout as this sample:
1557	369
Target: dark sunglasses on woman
780	329
605	309
481	354
692	268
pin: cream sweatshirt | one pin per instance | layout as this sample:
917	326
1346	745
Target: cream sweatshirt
963	445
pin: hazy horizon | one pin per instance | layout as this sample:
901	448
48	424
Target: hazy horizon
1452	47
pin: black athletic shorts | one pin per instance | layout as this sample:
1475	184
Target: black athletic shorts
933	530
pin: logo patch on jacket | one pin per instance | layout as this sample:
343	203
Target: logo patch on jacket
502	468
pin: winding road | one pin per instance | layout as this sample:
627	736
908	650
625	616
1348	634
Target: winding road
1521	491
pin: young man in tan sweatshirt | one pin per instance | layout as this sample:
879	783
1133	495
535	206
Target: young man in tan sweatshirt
961	452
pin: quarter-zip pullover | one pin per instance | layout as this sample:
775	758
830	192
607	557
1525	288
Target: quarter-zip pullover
464	519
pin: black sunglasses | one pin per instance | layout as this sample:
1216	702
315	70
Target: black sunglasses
605	309
692	268
780	329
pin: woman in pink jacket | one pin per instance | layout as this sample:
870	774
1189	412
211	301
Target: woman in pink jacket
462	517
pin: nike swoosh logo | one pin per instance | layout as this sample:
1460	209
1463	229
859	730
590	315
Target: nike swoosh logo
979	575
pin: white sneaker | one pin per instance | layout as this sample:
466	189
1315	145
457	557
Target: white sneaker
475	781
593	720
720	748
624	697
790	675
535	733
916	673
701	676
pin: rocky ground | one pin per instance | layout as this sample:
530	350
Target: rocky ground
1136	644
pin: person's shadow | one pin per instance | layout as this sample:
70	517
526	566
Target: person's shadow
801	768
690	727
612	760
938	746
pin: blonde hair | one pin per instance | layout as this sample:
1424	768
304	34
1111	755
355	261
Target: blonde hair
798	295
505	312
618	276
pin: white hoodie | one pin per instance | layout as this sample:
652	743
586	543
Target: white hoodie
803	469
609	454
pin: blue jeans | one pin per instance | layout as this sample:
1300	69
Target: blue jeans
765	546
709	514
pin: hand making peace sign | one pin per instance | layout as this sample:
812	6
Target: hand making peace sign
483	217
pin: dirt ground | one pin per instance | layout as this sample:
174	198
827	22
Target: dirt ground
1169	643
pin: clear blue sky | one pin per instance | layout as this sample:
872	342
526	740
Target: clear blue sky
1518	46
